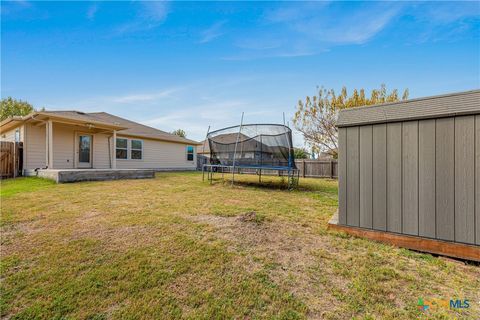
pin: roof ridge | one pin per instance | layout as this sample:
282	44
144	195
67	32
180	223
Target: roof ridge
138	123
62	111
145	126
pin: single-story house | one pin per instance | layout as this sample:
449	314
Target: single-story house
54	140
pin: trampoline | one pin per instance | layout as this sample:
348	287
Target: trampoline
252	148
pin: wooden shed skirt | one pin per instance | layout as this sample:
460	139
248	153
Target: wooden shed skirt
445	248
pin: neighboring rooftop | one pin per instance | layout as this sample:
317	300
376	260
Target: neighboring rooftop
447	105
203	147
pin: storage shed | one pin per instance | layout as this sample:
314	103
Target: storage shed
409	173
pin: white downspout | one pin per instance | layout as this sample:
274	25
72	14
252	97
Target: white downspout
114	153
50	144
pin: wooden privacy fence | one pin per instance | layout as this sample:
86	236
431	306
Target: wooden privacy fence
308	168
10	159
317	168
7	159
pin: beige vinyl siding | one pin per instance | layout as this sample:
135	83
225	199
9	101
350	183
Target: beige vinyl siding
156	154
63	147
10	135
159	155
35	153
101	154
65	143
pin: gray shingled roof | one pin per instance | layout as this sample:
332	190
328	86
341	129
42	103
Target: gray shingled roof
133	128
447	105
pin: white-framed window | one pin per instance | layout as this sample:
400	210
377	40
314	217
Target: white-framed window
190	151
129	149
121	148
136	149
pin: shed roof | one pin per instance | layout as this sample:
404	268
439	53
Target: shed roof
447	105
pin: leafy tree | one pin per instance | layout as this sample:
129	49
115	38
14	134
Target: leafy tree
10	107
180	133
316	117
300	153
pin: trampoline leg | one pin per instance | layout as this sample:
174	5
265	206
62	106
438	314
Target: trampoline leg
260	176
203	173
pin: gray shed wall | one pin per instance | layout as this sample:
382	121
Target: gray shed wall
417	177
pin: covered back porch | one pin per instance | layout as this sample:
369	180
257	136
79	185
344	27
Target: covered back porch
74	143
72	147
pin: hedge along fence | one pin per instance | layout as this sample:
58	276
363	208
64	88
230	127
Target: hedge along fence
413	167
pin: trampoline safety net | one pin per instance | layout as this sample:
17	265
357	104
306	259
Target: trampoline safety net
264	146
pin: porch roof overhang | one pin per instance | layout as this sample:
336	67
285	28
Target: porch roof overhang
10	123
41	117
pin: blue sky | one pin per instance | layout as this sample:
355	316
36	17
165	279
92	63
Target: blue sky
190	65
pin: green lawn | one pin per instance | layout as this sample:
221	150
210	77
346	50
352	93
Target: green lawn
177	247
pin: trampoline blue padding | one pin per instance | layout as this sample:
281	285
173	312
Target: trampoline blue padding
263	167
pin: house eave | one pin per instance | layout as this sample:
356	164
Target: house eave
91	123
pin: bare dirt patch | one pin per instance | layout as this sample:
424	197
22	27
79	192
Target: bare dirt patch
285	251
95	225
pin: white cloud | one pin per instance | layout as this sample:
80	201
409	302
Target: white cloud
150	15
16	6
294	11
155	10
23	3
92	11
447	12
444	21
357	28
212	32
310	28
143	97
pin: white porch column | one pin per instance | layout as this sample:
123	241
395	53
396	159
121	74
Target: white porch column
49	143
114	152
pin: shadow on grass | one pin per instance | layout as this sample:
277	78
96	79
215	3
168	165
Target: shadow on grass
279	183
